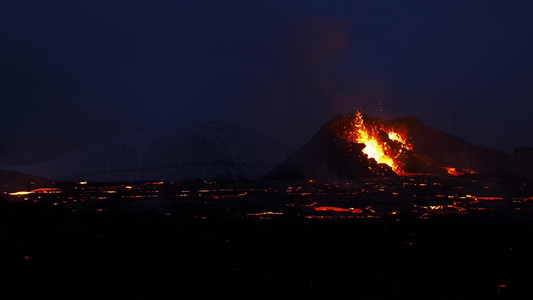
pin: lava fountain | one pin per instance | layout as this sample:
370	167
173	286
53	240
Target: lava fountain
383	142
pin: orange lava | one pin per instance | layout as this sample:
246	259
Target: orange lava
472	172
453	171
40	190
382	143
484	198
46	190
334	208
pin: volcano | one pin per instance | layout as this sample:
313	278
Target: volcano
353	146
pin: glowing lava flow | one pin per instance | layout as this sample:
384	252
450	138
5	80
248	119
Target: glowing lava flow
453	171
384	149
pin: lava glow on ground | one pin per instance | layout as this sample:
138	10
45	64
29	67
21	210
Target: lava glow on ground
401	198
418	236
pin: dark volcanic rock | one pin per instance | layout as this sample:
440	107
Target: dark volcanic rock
521	167
435	149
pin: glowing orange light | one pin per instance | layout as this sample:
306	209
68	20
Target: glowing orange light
394	136
378	147
453	171
340	209
46	190
40	190
472	172
486	198
19	193
266	213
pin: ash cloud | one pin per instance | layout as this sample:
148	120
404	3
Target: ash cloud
295	97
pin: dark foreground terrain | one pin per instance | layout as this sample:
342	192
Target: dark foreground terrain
274	244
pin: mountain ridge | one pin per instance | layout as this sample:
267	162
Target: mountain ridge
208	150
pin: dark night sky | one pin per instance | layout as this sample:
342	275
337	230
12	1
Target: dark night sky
76	71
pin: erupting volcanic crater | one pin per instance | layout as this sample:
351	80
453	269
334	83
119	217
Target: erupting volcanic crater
384	143
357	145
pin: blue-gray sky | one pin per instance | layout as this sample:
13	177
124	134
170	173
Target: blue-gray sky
76	71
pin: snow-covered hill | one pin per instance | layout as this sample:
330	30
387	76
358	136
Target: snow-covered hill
23	159
207	151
